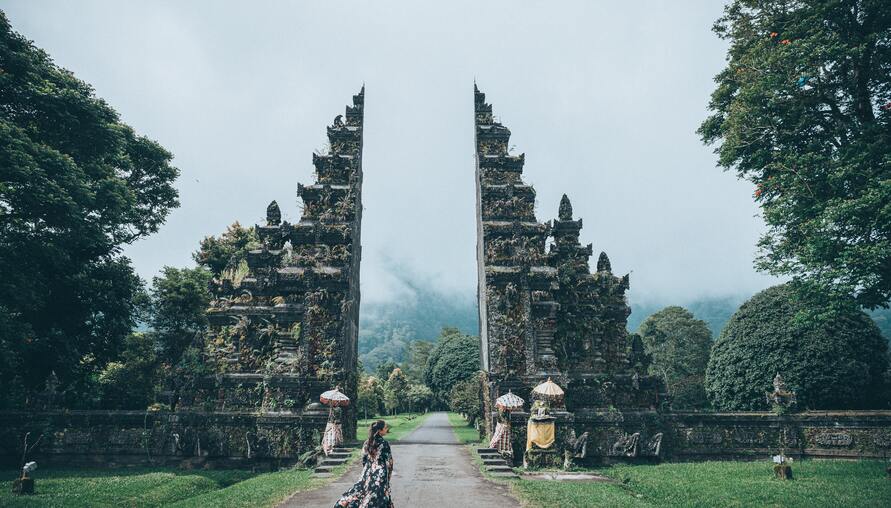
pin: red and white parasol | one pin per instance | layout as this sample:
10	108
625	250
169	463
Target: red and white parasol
334	398
509	402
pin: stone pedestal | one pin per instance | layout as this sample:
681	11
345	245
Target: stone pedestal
23	486
539	458
783	471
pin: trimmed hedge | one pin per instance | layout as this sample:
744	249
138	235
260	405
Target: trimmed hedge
832	363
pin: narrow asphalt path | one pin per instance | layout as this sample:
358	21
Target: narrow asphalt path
431	467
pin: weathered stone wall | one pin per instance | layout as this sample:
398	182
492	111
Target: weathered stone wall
270	439
182	438
826	434
615	436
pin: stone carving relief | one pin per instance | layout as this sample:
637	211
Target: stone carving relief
704	437
626	445
834	439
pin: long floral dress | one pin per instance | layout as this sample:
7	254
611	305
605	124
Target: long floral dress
373	488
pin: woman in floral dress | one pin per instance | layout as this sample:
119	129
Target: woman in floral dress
373	488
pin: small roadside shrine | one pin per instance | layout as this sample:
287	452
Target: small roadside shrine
541	432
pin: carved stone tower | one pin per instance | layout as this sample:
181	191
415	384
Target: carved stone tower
516	304
287	329
545	314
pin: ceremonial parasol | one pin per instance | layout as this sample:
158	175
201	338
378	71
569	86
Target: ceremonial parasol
548	391
334	398
509	402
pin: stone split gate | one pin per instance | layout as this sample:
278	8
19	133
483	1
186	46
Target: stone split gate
285	328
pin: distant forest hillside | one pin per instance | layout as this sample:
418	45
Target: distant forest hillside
386	329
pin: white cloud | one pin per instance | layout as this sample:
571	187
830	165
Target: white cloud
603	97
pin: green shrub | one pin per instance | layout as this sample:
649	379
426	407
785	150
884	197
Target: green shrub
464	398
679	346
130	383
455	357
834	359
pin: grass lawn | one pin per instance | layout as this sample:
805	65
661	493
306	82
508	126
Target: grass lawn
400	425
463	431
818	483
149	487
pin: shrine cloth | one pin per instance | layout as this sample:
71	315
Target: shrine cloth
541	434
332	438
501	439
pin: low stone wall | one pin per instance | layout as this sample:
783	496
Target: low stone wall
181	438
824	434
615	436
272	439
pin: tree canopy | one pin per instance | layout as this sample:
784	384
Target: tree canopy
837	363
455	357
180	298
226	252
679	346
77	185
803	111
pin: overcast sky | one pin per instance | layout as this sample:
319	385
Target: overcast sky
603	97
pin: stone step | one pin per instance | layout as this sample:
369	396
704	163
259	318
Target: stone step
494	462
339	455
504	474
501	469
333	461
486	450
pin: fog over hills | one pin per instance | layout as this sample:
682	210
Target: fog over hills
422	309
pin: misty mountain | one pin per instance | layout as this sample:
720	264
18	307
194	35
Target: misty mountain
387	328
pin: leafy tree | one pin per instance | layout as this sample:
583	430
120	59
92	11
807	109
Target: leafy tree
418	353
455	357
130	381
371	397
419	396
391	400
384	369
679	346
836	362
397	386
76	184
179	308
228	251
464	398
803	111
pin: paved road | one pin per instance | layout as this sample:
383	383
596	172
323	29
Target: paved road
431	468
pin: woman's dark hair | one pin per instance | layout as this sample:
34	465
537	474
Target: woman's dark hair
376	427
